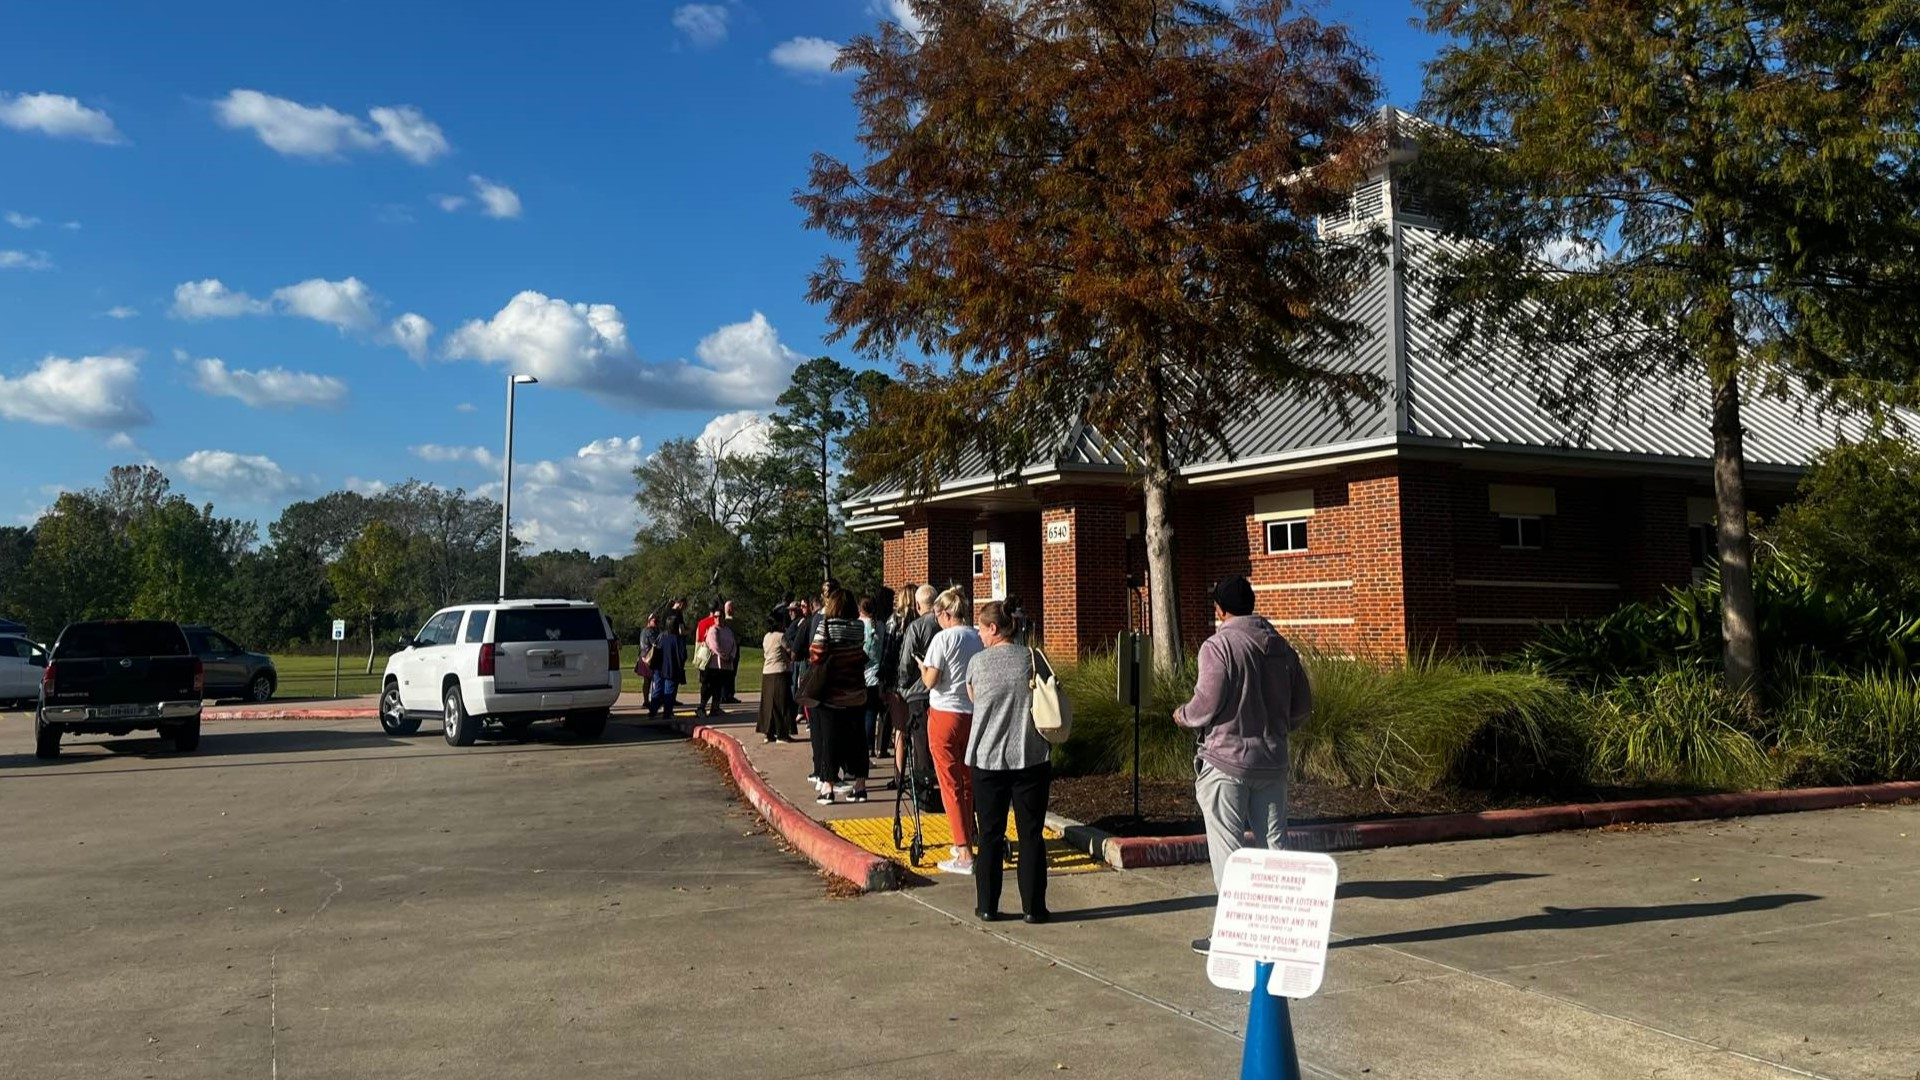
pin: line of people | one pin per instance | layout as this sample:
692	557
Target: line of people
664	655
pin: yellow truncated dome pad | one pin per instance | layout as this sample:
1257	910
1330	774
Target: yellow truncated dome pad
876	835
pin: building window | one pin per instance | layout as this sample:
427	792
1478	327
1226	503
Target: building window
1285	536
979	563
1703	546
1524	531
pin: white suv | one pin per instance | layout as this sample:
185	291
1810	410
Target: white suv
509	663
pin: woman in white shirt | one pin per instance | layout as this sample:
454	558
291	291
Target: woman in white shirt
950	719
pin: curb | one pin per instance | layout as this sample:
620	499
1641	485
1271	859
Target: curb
1136	852
290	714
819	844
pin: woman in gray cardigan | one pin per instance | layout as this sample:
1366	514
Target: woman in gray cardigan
1011	766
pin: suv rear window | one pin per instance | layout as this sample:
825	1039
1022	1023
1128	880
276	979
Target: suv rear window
92	641
548	624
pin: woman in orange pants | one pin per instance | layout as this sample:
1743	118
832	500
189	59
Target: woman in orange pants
950	718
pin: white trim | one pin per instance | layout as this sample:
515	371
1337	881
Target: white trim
1268	525
1291	461
1295	585
1313	622
1537	584
1509	622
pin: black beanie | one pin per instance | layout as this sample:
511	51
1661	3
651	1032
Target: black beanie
1234	596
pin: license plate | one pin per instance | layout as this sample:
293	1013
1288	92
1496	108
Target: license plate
553	662
118	712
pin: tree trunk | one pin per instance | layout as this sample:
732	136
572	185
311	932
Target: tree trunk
370	644
1739	619
826	515
1158	488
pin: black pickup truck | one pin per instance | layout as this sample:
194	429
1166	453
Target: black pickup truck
116	677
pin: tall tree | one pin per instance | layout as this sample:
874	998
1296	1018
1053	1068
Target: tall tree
1100	211
1738	181
182	557
814	417
81	568
16	552
368	579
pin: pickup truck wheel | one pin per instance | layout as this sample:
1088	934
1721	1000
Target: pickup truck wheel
186	737
588	725
460	727
261	688
46	741
393	715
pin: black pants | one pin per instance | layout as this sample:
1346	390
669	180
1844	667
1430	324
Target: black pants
713	685
1025	790
730	684
922	755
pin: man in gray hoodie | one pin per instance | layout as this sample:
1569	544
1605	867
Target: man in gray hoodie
1251	693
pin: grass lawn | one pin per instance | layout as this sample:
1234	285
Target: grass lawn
312	676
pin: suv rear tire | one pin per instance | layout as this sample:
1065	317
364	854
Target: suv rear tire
186	737
46	741
588	725
461	728
260	690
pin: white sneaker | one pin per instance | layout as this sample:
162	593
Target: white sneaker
955	866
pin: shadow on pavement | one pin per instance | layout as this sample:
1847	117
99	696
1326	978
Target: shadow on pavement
1420	890
1589	918
217	744
1125	911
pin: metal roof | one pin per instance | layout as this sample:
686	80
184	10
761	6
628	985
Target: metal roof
1486	403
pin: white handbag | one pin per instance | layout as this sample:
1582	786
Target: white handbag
1052	709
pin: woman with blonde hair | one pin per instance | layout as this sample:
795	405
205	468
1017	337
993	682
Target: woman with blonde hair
1010	765
950	718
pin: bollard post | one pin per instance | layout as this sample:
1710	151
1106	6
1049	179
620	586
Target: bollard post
1270	1053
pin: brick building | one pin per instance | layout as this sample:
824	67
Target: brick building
1456	514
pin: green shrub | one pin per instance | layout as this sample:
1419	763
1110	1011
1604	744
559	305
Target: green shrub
1680	728
1841	728
1405	726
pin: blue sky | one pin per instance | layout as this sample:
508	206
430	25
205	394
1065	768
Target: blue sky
226	227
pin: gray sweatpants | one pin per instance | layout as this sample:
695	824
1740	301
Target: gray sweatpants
1232	807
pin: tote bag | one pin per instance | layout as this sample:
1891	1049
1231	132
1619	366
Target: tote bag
1052	709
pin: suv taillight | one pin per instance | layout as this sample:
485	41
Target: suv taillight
49	683
613	655
486	660
199	679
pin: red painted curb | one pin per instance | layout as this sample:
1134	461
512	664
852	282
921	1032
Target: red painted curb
290	714
1134	852
818	843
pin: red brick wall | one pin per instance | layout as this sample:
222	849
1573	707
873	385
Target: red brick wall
933	547
1086	575
1427	504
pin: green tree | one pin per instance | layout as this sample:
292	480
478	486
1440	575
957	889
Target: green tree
1857	520
16	553
181	561
1099	211
1738	179
815	416
81	568
369	579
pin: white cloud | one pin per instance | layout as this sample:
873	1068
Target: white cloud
319	131
99	392
237	476
736	434
270	388
410	133
902	12
70	226
585	501
585	346
465	407
21	221
806	55
23	260
449	203
210	299
411	332
703	24
59	116
121	311
1572	253
496	200
124	442
366	487
347	304
441	455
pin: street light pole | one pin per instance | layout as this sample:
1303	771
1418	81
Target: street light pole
506	484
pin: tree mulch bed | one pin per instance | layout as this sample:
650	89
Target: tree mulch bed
1167	808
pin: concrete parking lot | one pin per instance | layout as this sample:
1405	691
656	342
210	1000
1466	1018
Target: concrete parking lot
320	900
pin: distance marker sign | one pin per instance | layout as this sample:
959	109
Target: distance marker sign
1275	907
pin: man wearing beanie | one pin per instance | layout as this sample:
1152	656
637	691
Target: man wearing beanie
1251	693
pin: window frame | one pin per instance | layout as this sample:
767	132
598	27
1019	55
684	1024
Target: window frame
481	620
1539	523
1289	524
980	562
